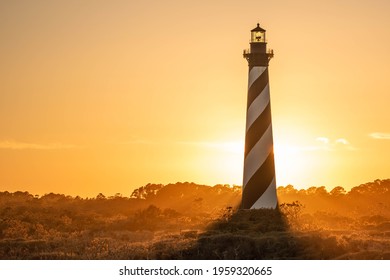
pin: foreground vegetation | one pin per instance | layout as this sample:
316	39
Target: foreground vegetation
190	221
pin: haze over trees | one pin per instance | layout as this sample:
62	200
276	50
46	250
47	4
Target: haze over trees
191	221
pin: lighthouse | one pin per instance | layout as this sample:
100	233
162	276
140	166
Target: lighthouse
259	186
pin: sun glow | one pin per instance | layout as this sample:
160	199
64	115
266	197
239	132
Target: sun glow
93	103
221	161
234	147
286	163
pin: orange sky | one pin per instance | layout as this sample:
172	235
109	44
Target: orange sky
107	96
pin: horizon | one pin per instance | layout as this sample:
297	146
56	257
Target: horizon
105	97
117	194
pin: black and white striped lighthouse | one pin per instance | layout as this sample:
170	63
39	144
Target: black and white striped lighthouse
259	186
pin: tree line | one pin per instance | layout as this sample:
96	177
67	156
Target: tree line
185	220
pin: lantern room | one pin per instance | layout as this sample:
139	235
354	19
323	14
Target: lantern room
258	35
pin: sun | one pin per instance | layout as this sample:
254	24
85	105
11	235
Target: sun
292	164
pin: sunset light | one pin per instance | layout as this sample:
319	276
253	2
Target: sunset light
102	97
208	134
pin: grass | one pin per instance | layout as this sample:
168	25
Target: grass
308	225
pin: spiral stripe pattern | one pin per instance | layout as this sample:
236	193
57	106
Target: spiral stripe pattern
259	186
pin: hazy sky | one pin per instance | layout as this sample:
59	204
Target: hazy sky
106	96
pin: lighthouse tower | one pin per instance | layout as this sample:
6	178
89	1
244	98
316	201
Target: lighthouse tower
259	186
